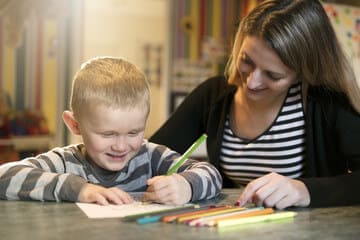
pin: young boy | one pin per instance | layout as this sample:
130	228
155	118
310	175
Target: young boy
110	103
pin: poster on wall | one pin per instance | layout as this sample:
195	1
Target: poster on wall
346	22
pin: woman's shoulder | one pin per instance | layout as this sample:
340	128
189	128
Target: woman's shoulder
215	82
329	99
319	93
215	87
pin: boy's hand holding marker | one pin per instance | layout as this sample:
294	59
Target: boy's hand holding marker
172	188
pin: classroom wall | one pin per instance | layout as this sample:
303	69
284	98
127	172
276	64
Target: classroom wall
35	54
136	30
157	35
346	22
202	35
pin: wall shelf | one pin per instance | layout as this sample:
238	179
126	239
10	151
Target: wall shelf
24	143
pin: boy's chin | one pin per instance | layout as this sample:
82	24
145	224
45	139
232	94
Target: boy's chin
115	168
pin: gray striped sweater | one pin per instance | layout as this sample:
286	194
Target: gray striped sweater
58	175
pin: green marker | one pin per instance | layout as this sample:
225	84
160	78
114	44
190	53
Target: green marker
186	155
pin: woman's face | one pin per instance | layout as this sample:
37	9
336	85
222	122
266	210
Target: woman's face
264	77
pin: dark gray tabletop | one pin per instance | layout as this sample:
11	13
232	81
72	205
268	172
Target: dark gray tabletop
48	220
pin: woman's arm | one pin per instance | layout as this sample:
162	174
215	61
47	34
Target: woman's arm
333	150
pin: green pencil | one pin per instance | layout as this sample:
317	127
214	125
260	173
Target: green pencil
186	155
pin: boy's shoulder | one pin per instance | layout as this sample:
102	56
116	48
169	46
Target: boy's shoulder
72	148
69	152
155	148
151	146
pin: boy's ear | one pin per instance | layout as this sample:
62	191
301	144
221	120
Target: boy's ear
71	122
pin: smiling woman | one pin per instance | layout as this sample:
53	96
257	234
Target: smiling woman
278	120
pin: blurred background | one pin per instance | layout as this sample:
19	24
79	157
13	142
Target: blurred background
177	43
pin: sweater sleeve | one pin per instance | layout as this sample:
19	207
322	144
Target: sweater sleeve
41	178
332	152
204	178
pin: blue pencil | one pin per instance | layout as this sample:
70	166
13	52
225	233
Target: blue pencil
150	219
135	217
158	217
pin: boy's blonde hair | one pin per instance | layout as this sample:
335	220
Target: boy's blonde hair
109	81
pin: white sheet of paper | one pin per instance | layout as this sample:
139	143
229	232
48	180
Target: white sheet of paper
118	211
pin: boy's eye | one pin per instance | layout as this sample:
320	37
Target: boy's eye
133	134
107	134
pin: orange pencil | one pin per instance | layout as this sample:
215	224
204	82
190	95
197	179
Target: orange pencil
174	217
199	222
240	215
187	219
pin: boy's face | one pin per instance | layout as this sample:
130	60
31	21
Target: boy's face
112	136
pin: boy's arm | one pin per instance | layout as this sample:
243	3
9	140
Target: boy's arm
42	178
204	179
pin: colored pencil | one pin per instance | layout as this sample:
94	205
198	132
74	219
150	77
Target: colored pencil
187	219
186	155
160	216
211	220
256	219
244	214
150	219
134	217
174	217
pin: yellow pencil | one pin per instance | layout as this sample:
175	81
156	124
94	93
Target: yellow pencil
244	214
256	219
204	221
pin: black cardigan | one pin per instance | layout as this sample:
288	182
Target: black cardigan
332	138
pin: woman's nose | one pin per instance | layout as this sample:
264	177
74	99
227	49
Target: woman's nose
254	79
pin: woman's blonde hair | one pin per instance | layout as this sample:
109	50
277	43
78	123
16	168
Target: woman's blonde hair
113	82
300	32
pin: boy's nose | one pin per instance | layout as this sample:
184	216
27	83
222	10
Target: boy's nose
119	144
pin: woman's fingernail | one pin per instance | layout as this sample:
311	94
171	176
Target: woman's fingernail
238	203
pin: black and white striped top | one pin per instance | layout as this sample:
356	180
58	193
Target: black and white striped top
59	174
280	149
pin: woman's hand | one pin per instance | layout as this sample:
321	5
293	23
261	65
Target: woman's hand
173	189
275	190
92	193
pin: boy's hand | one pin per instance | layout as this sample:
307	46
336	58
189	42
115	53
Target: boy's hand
172	189
92	193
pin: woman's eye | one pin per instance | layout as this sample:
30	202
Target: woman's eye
246	60
273	76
